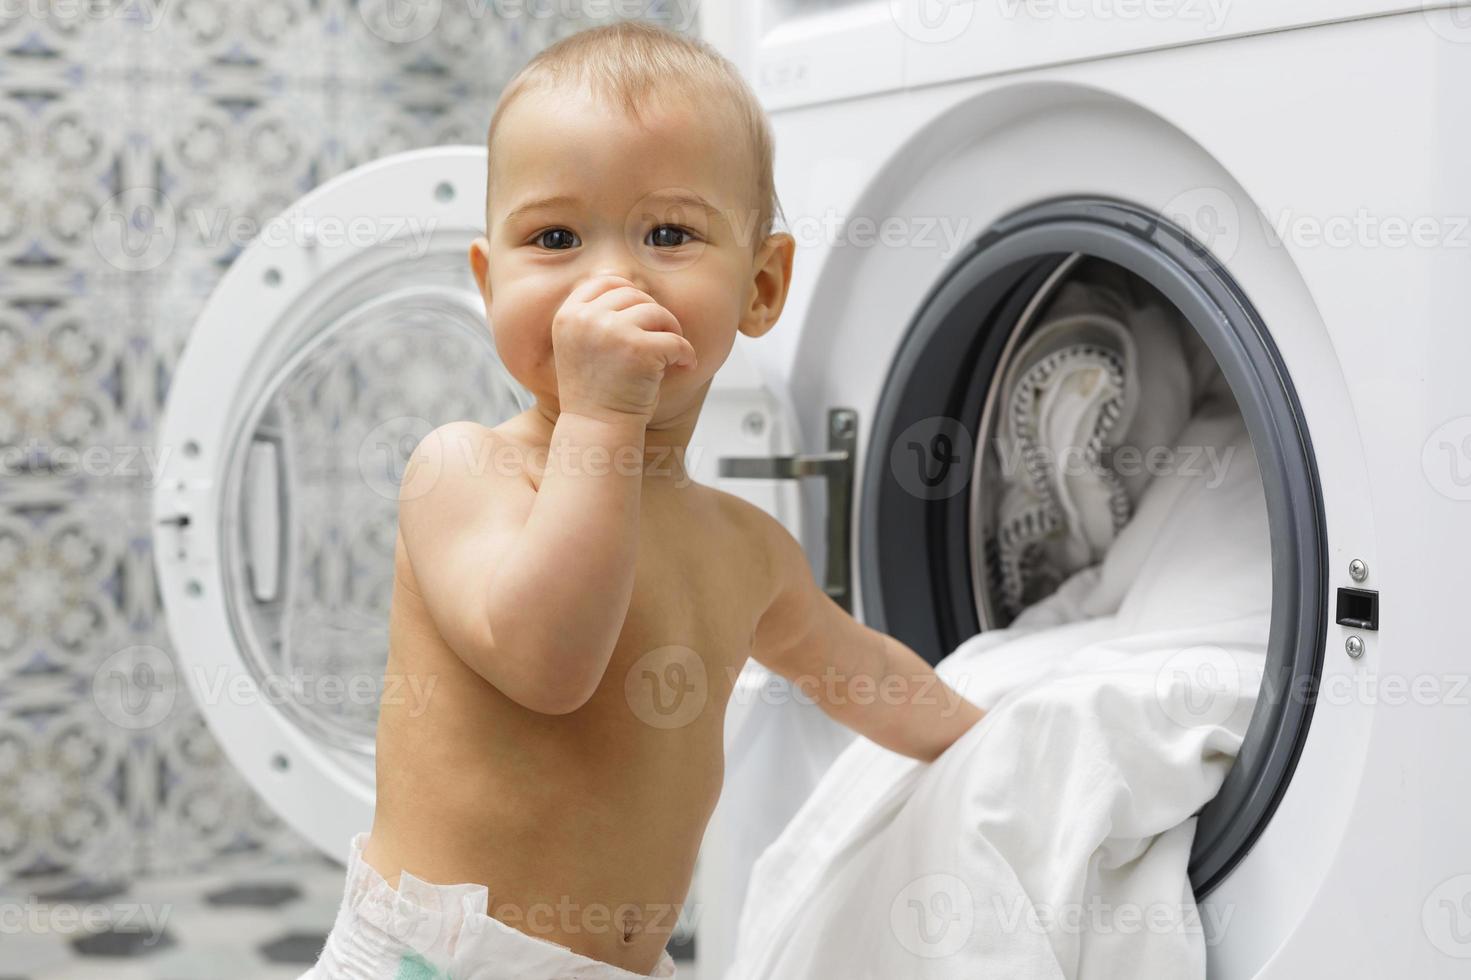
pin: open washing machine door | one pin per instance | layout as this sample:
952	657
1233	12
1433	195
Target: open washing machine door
348	330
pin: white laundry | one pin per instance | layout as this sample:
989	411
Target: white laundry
1109	369
1052	839
1067	387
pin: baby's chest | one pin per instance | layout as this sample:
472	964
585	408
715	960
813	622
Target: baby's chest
692	610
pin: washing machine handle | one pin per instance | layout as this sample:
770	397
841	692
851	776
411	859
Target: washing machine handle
836	466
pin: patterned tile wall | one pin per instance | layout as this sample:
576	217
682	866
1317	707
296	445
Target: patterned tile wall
229	109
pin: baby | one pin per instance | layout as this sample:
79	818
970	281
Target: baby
583	606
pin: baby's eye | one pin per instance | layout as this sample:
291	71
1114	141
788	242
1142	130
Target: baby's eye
667	236
563	237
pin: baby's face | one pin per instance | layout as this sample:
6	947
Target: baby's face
579	189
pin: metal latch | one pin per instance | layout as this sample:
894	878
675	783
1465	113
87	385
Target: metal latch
1358	608
836	465
180	521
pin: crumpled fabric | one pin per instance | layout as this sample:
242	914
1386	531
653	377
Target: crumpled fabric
1051	841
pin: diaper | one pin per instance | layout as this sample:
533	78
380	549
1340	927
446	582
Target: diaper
424	931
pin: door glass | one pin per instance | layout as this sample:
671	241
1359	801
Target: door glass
311	502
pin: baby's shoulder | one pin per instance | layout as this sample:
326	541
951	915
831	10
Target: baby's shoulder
738	512
461	457
775	546
779	567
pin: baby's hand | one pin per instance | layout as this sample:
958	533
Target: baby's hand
612	344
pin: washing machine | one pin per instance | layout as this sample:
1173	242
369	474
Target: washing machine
1288	176
1264	166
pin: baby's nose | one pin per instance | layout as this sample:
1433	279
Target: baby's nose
623	272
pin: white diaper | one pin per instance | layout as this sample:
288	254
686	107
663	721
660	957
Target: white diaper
425	931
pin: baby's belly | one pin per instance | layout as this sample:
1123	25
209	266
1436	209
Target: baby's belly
584	827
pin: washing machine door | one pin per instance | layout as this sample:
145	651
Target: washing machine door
343	334
347	330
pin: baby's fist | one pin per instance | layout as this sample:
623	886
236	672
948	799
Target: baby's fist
612	343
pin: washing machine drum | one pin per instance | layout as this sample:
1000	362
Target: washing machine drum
1052	370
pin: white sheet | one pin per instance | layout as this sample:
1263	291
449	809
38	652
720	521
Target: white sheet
1052	839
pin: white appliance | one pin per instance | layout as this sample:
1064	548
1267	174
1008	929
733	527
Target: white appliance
1289	175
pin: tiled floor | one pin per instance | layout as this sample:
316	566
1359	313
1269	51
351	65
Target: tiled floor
265	922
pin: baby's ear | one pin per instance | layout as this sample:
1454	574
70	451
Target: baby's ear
480	265
771	278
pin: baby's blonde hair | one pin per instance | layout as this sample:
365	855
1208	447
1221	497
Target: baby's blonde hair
627	62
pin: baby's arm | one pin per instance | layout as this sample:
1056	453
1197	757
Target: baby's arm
529	588
867	680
